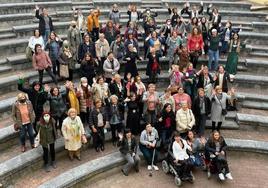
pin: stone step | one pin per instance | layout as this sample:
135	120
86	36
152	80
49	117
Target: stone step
257	48
26	7
79	174
5	68
255	105
259	54
7	36
251	119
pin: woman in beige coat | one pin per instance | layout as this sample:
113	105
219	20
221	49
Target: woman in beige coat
73	131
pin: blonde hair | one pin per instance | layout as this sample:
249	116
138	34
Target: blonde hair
217	88
21	96
72	110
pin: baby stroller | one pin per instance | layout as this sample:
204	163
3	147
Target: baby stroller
168	165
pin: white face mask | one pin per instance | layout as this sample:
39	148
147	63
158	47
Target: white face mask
46	118
84	84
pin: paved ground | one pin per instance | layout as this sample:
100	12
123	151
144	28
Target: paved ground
249	171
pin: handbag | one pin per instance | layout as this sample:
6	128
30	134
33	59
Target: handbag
64	71
37	139
223	111
83	139
29	53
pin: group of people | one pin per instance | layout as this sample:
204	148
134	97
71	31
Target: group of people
103	100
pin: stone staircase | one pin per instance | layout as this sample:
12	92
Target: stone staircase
17	24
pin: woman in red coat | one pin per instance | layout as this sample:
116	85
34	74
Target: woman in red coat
195	45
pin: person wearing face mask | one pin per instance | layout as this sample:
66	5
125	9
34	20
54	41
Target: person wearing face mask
218	106
47	132
174	14
73	131
115	15
66	60
84	95
23	116
74	37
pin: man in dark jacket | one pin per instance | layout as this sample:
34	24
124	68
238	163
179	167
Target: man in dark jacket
45	23
201	110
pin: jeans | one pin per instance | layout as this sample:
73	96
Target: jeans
148	154
165	136
201	124
196	160
29	129
221	164
46	151
131	162
46	35
213	56
48	69
98	138
85	117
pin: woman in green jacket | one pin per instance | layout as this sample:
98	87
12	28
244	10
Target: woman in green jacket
47	132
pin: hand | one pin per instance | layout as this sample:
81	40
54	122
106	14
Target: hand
232	90
166	4
21	75
160	119
213	92
217	153
128	58
187	4
94	130
36	7
210	5
222	152
201	3
133	154
73	8
120	135
94	80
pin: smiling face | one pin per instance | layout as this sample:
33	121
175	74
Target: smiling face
216	136
55	91
168	108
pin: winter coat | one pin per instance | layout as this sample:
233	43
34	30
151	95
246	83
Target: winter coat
47	132
41	61
84	48
185	120
42	23
196	106
110	70
217	106
57	104
124	148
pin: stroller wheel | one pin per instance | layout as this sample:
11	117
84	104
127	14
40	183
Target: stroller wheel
165	167
177	181
209	174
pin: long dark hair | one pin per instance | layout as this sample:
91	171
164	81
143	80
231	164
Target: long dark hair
35	48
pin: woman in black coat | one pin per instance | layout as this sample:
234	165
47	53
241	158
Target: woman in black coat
97	122
153	66
131	58
201	109
37	96
133	115
205	80
215	150
45	23
88	46
88	68
167	124
223	83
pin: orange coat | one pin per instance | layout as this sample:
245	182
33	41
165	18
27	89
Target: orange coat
93	19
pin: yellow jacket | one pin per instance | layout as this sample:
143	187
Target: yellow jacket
91	19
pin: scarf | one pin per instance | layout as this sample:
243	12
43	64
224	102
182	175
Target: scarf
74	103
67	52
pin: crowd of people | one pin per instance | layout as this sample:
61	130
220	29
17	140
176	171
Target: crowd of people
104	100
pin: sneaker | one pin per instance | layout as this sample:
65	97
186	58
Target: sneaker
149	167
155	167
221	176
229	176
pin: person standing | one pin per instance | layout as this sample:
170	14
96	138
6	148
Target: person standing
201	110
218	107
93	25
102	49
73	130
41	62
111	67
213	50
45	23
75	39
48	135
23	116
